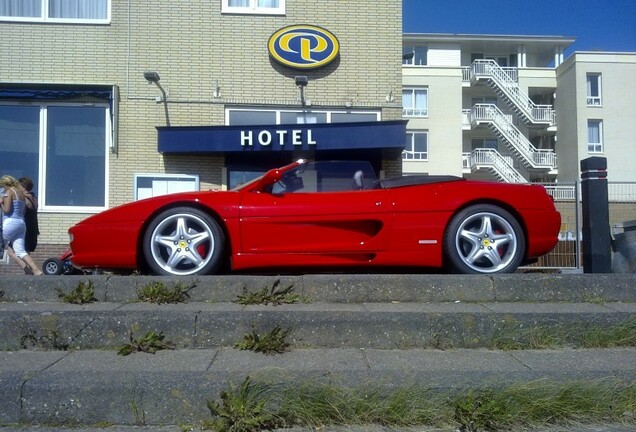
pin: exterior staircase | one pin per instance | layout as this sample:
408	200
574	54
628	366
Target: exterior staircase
59	364
502	126
492	160
507	88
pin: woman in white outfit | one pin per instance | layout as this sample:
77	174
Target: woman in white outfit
13	225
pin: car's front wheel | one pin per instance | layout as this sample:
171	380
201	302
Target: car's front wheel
484	239
183	241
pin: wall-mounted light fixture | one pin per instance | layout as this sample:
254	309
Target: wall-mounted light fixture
301	82
216	93
389	96
153	78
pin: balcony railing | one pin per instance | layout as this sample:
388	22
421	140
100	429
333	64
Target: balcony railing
414	112
512	72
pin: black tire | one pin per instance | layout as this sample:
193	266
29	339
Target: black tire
484	239
183	241
53	267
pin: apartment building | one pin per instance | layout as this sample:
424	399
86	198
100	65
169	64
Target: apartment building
512	108
107	101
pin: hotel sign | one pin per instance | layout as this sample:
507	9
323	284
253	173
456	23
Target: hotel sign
303	47
261	138
280	137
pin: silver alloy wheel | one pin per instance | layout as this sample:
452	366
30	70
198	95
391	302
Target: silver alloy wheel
486	242
182	244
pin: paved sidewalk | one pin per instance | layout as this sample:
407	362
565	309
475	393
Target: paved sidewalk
44	387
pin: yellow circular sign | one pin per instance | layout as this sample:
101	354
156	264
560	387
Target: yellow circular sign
303	47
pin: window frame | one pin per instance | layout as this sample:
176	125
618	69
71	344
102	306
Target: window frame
595	147
410	149
416	60
287	110
42	156
412	111
253	9
594	100
45	18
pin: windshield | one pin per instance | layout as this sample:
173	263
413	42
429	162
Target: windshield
246	184
326	176
320	176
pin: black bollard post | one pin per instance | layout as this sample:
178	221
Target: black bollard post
597	242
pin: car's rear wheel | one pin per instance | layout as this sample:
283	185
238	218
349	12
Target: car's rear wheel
183	241
484	239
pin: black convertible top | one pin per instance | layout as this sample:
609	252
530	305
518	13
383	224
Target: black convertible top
396	182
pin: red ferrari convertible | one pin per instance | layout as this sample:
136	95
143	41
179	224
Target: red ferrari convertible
324	215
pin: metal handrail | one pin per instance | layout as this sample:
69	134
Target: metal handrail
537	158
490	69
494	160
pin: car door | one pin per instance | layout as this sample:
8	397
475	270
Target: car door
334	222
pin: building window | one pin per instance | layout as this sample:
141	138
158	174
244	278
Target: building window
415	55
42	141
253	117
594	89
265	7
415	102
416	146
595	136
72	11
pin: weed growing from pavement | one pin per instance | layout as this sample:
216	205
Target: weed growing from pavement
47	341
514	336
267	343
82	294
151	342
138	413
276	295
158	292
622	334
254	407
242	409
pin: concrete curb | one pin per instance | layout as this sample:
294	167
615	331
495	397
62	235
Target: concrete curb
530	287
320	325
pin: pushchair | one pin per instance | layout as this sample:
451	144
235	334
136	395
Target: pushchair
61	265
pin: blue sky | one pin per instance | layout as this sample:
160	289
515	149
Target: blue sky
606	25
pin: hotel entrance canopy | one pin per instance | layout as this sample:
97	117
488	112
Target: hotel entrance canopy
389	134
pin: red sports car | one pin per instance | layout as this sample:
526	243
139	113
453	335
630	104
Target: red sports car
324	215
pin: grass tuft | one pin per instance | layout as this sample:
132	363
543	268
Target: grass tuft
276	295
513	336
272	342
158	292
49	340
255	407
151	342
242	409
82	294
